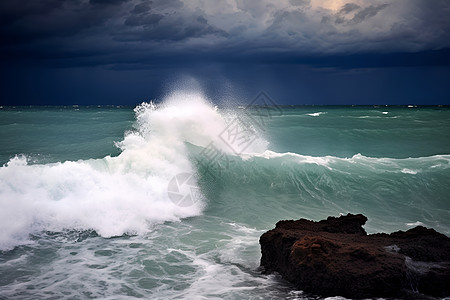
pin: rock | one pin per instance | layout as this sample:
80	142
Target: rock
336	257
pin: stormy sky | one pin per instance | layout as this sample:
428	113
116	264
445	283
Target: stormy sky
56	52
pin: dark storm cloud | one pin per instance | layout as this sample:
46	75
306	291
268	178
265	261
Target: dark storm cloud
141	8
106	2
143	19
165	20
14	10
232	28
27	21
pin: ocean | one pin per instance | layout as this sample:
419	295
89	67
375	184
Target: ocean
168	200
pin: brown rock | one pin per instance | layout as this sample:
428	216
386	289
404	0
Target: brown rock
336	257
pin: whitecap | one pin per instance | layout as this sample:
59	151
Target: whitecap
409	171
316	114
418	223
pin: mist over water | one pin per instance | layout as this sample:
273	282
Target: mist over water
86	210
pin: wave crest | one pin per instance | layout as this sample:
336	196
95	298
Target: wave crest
114	195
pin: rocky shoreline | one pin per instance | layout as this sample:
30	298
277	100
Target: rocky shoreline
336	257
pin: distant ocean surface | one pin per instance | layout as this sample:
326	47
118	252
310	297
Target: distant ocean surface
168	201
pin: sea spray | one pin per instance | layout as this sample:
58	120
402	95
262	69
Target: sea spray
118	195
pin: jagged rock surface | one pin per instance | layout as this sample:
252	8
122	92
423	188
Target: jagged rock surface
336	257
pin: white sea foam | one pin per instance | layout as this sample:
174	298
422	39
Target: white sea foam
298	158
316	114
409	171
418	223
114	195
410	166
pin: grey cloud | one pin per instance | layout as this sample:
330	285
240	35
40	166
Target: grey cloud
144	20
168	4
121	31
177	28
299	2
349	7
344	11
400	26
166	20
360	14
141	8
255	8
430	24
367	12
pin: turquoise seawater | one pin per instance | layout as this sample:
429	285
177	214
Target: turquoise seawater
169	201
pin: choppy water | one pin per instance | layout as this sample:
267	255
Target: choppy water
169	202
